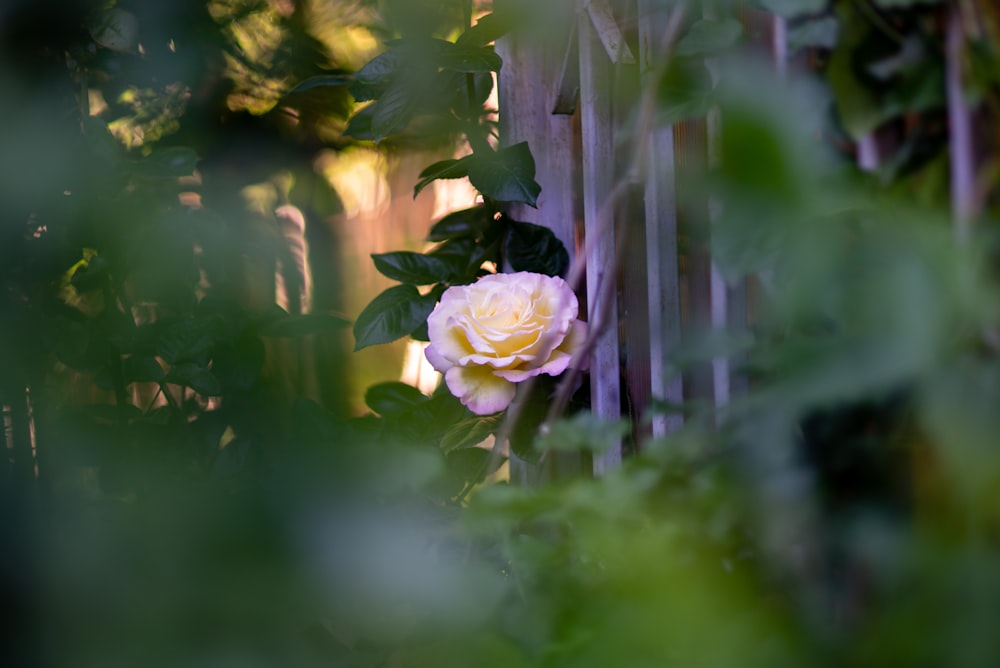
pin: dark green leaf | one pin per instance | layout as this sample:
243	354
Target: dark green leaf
141	368
488	29
393	398
469	433
421	333
468	99
186	340
460	224
857	102
507	175
443	169
360	125
433	418
413	268
322	81
708	37
684	91
535	248
92	276
380	68
471	464
394	109
238	363
195	376
470	59
391	315
167	163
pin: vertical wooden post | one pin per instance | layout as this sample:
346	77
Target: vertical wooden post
962	156
526	89
662	253
598	216
528	92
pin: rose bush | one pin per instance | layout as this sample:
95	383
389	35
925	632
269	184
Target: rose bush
501	330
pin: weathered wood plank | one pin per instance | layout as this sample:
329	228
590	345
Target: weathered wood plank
960	131
662	252
605	25
528	93
526	85
598	215
696	263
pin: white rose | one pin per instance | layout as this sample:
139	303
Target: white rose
501	330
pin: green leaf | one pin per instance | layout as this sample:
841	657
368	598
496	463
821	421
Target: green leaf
461	224
467	102
413	268
469	433
322	81
451	168
488	29
167	163
360	125
393	398
391	315
116	30
195	376
708	37
394	109
420	333
431	419
371	80
141	368
857	103
684	91
507	175
292	325
238	363
470	464
186	340
90	276
531	247
470	59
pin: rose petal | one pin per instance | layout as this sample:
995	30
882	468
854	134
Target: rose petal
478	389
573	344
508	362
450	342
437	359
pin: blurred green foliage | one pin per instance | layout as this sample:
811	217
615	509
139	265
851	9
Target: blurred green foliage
189	508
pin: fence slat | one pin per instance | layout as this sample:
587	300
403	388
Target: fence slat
529	84
962	157
662	253
597	153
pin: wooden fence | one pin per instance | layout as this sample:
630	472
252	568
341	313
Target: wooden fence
569	98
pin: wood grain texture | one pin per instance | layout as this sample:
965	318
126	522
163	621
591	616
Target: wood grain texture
598	155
